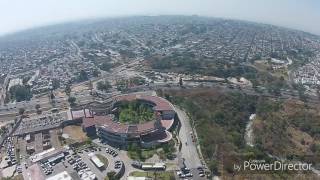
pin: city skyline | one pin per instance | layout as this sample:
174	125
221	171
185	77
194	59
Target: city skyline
300	15
97	95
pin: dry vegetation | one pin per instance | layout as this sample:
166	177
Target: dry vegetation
75	133
292	128
289	129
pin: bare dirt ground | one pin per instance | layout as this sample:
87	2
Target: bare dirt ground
75	133
80	87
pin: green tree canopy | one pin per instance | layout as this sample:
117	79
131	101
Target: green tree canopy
20	93
72	101
103	86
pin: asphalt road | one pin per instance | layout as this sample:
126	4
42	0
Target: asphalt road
189	149
188	152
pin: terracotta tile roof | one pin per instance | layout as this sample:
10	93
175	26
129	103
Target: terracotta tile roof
107	123
160	103
88	122
148	126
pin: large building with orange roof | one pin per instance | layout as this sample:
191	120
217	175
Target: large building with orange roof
153	132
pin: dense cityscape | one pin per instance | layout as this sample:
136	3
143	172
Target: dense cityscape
130	97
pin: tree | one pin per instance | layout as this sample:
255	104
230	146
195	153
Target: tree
20	93
180	82
72	101
38	108
52	96
83	76
90	85
55	84
122	85
301	91
112	175
25	79
21	111
137	80
106	66
95	73
68	89
213	166
103	86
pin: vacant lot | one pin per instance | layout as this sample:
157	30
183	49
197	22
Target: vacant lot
75	133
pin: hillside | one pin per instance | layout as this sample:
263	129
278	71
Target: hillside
286	129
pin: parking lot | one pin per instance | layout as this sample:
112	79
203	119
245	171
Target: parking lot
10	157
58	166
79	165
41	122
114	162
32	144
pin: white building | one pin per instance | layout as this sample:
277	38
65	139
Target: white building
61	176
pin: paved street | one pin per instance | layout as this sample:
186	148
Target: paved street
189	150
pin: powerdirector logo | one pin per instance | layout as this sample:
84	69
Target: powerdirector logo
262	165
243	164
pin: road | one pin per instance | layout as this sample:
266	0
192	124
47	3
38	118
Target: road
188	151
9	111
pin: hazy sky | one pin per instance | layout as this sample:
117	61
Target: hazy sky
20	14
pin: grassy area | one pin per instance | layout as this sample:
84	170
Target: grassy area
135	112
103	159
169	175
164	152
18	177
141	154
